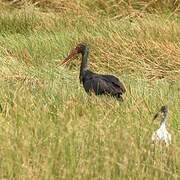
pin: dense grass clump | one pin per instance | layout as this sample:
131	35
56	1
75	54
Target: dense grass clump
50	128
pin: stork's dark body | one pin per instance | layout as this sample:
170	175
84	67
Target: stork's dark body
93	82
102	84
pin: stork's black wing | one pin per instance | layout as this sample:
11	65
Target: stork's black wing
115	81
103	85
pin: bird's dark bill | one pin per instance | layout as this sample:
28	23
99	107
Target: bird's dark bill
156	115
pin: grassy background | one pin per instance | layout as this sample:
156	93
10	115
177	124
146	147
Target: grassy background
49	127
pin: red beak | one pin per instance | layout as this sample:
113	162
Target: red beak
71	55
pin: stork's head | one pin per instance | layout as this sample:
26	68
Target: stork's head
163	111
80	48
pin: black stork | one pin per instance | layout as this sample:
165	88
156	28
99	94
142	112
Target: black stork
93	82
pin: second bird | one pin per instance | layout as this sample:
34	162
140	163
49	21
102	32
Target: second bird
93	82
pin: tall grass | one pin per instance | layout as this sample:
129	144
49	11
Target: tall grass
50	128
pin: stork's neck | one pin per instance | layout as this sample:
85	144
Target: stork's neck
84	66
164	120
